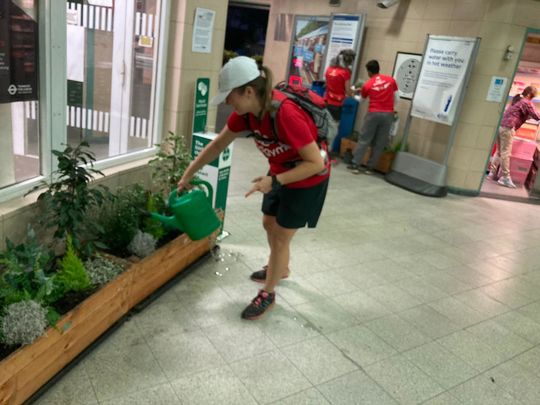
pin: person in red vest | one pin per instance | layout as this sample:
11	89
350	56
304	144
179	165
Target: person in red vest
338	82
296	179
382	92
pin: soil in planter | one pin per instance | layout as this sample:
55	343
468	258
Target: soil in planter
6	350
71	300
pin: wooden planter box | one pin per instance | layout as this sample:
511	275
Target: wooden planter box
29	368
385	162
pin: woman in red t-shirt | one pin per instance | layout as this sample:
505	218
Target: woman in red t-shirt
338	82
295	185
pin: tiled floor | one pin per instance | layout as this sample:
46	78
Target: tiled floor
394	298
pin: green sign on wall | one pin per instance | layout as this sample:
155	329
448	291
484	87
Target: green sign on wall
200	108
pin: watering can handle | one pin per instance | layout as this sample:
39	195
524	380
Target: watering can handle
196	182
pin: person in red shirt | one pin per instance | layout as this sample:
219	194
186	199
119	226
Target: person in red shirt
338	82
296	181
382	92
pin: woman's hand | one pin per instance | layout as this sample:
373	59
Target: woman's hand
262	184
184	184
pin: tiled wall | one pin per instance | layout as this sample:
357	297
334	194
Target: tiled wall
185	66
404	27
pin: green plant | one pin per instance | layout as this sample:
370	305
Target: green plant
23	322
101	270
71	275
397	147
25	272
155	203
170	163
142	244
120	217
66	202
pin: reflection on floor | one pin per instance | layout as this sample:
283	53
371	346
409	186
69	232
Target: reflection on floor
394	298
490	187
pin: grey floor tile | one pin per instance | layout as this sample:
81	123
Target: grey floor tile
530	360
325	315
308	397
531	311
73	389
117	375
440	364
472	350
217	386
517	380
421	289
330	283
521	325
298	290
403	380
179	354
397	332
501	339
355	388
457	312
285	326
319	360
160	395
443	399
393	297
481	390
270	377
482	303
428	321
361	345
239	340
361	306
160	316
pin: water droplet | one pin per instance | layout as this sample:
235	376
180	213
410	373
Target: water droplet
227	269
218	274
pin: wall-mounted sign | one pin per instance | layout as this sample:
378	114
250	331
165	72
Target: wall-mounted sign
203	27
406	70
200	107
497	89
18	52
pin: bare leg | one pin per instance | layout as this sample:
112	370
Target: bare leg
279	240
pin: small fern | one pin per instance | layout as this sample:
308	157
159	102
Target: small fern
71	274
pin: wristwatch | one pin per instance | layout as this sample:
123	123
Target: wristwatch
275	182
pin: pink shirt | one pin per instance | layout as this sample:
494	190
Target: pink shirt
517	114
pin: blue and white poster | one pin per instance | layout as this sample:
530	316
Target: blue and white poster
441	78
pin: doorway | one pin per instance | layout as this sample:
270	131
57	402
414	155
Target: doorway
525	150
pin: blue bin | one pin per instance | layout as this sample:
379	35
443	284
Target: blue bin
346	123
318	86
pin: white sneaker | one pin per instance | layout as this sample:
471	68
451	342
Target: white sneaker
506	182
492	176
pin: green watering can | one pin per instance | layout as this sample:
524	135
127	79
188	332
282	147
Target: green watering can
192	212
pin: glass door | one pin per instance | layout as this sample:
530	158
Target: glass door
111	71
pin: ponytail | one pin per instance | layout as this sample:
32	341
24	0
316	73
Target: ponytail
263	89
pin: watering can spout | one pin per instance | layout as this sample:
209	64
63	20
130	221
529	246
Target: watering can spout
169	221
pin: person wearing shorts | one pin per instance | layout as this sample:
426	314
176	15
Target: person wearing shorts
295	185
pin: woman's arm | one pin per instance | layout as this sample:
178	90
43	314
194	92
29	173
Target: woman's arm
311	164
208	154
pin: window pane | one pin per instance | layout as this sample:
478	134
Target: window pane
111	56
19	108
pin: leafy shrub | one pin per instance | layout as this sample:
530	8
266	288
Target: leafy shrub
68	198
71	275
23	322
142	244
171	162
25	272
101	270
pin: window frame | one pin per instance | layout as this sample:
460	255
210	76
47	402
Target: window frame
53	94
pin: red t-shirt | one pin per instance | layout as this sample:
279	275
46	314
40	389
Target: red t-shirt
295	130
380	90
336	76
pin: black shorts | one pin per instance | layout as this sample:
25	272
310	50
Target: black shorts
295	207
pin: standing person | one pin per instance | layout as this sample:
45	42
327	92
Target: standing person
338	82
383	95
296	181
520	111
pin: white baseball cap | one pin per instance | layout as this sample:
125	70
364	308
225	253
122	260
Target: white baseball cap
235	73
